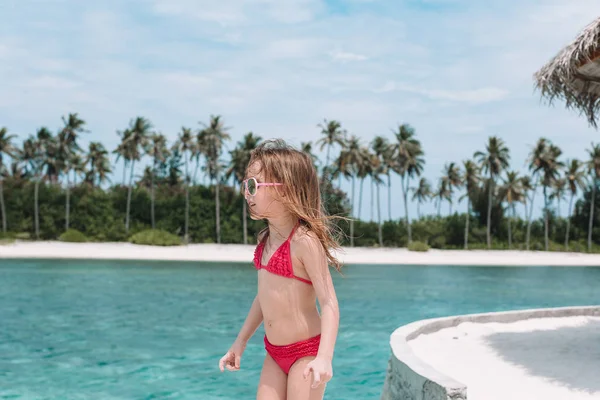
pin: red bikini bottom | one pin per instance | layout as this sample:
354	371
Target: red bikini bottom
285	356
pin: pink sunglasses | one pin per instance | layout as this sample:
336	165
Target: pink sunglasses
251	186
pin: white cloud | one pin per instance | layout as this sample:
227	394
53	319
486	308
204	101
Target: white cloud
11	48
186	80
474	96
104	33
470	129
347	56
389	86
294	11
293	48
241	12
221	12
4	50
49	82
356	114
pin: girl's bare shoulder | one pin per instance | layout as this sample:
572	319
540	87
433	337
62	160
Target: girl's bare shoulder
305	239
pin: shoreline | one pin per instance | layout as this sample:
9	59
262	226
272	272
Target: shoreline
244	253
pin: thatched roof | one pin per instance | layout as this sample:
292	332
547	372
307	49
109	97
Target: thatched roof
573	75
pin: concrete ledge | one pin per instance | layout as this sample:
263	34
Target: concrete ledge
411	378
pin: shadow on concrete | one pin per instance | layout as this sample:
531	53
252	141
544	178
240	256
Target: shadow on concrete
569	356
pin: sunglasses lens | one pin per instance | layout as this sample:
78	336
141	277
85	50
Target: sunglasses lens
251	187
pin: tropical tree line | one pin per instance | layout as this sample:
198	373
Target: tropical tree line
200	163
487	172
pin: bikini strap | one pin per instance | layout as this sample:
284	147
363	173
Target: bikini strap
293	231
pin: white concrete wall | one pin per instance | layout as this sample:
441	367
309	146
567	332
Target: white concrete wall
410	378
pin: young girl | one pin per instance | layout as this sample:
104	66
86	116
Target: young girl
292	260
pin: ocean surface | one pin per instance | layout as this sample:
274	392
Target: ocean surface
74	329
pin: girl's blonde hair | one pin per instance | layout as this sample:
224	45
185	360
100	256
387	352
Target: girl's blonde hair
300	192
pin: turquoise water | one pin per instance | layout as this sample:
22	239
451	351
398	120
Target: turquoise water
156	330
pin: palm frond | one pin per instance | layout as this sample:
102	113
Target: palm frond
573	75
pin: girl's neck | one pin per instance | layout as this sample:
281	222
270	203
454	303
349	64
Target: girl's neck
281	227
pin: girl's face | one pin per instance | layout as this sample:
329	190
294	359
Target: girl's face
265	201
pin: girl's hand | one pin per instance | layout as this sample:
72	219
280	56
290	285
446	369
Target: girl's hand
231	359
321	370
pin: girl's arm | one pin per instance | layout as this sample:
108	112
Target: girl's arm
253	321
312	255
231	359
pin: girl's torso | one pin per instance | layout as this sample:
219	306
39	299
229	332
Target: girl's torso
286	295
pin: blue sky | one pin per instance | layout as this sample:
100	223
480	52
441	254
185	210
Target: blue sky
458	71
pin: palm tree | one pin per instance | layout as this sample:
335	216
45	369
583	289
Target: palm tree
97	158
378	170
527	187
35	154
18	169
594	168
173	170
31	155
352	157
471	180
512	192
492	161
211	140
550	167
575	179
123	151
52	158
408	155
306	147
196	154
453	180
340	168
185	145
6	149
134	142
363	170
373	162
421	194
559	190
240	157
332	134
442	193
158	151
67	143
78	167
384	151
535	166
103	170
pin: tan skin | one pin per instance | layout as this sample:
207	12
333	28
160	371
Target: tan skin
288	306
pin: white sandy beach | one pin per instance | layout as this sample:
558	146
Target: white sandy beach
242	253
543	358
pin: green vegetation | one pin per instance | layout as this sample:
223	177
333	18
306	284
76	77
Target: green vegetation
418	246
190	190
73	235
155	237
23	236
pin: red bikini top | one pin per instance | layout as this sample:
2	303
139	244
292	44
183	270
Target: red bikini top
280	262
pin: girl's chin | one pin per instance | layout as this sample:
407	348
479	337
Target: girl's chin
255	217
